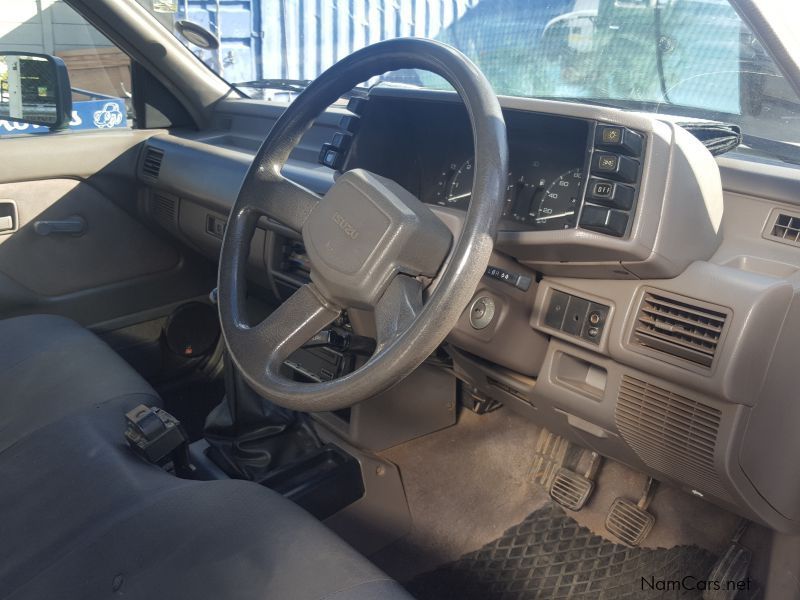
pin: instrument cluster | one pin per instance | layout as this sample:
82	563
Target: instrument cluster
533	196
546	178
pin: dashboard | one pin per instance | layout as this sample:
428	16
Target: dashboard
624	305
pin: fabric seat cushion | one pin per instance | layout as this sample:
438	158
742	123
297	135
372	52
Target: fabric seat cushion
82	517
50	367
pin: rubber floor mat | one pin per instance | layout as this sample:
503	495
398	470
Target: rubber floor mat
549	555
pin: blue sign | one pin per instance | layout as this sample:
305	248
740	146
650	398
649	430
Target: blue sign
91	114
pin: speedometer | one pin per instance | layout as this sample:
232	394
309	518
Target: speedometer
558	208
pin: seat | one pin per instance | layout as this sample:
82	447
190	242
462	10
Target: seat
49	367
82	517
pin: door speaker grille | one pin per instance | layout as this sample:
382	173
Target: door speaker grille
670	433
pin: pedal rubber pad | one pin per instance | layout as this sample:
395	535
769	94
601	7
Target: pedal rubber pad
570	489
628	522
548	458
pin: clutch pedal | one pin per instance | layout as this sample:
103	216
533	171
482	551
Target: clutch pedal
629	521
572	490
731	568
549	457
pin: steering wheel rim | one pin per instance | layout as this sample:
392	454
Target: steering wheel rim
408	330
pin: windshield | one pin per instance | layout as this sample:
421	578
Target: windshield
684	57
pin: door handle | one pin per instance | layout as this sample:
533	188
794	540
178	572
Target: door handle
72	226
8	216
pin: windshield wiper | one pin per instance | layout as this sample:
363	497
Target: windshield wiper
285	85
785	151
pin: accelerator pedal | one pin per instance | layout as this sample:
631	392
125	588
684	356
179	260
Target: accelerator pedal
571	489
732	567
629	521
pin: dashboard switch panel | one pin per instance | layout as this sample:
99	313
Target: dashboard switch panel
576	316
614	182
609	193
556	309
615	166
331	156
604	220
618	139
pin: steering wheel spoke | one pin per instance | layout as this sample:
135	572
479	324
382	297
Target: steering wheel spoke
265	346
397	309
282	200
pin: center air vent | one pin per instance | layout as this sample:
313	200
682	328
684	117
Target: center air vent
679	327
151	163
783	227
670	433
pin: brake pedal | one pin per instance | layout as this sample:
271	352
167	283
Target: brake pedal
572	490
732	566
629	521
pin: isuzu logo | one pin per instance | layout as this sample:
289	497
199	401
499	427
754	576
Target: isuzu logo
345	225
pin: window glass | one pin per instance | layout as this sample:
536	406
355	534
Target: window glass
685	57
99	72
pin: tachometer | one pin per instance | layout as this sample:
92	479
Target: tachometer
558	208
454	187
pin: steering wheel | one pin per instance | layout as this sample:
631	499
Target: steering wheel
372	245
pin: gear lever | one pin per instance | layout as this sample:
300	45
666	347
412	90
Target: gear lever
248	435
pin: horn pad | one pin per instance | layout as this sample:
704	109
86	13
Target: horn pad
366	230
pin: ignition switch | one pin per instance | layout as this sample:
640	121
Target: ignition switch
481	312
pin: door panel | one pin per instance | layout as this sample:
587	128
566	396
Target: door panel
122	270
114	247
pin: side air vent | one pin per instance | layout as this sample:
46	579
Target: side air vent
783	227
164	209
151	163
679	327
670	433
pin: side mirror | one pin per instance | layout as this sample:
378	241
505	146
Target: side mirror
35	89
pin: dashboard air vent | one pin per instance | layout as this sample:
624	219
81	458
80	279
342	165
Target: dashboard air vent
679	327
784	227
670	433
164	210
151	163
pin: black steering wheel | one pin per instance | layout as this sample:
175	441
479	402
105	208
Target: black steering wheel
371	244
